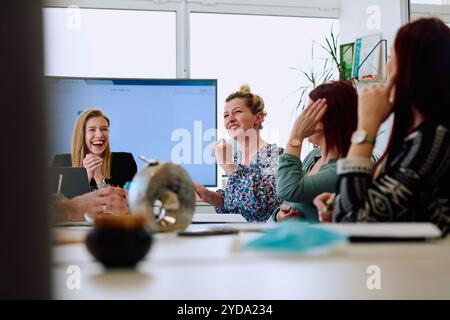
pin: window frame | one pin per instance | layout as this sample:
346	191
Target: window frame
183	9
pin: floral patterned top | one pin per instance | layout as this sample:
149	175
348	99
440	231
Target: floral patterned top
251	190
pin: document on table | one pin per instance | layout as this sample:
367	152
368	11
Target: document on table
361	232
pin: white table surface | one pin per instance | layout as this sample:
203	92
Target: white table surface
217	267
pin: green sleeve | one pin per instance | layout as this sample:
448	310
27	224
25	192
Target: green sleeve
273	217
294	186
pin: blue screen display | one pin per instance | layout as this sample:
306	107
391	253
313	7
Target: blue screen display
167	120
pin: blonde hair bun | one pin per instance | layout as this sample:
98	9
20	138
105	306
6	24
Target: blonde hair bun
245	88
253	101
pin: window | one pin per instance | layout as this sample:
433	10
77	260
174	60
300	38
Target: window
426	8
109	43
435	2
266	52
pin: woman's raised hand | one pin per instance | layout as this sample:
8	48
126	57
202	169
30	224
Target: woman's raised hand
223	152
306	123
374	106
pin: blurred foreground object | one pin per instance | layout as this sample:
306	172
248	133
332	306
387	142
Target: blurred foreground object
119	241
24	218
165	194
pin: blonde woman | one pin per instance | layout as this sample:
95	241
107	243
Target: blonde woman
91	150
251	188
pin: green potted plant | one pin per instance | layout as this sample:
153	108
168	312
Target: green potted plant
330	69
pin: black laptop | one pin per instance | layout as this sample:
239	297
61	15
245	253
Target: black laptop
74	181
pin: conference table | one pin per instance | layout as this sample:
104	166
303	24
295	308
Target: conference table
221	267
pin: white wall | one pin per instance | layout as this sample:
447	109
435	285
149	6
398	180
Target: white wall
358	18
354	18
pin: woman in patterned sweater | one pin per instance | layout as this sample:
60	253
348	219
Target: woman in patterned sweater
251	170
411	181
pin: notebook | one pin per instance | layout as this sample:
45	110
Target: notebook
385	232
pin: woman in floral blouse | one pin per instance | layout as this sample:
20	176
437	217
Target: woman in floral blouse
251	189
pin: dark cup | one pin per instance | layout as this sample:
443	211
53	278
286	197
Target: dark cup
119	241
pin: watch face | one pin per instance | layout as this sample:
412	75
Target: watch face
358	137
294	142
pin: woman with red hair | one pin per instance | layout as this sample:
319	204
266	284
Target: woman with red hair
328	122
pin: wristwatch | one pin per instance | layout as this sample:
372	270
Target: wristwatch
295	143
361	136
102	184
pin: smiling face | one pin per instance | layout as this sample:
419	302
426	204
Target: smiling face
96	135
238	118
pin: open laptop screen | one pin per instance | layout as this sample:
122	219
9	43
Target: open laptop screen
71	181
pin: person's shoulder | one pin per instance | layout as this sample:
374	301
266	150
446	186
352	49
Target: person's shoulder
430	130
314	153
62	160
442	127
311	156
432	124
274	149
63	156
122	157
